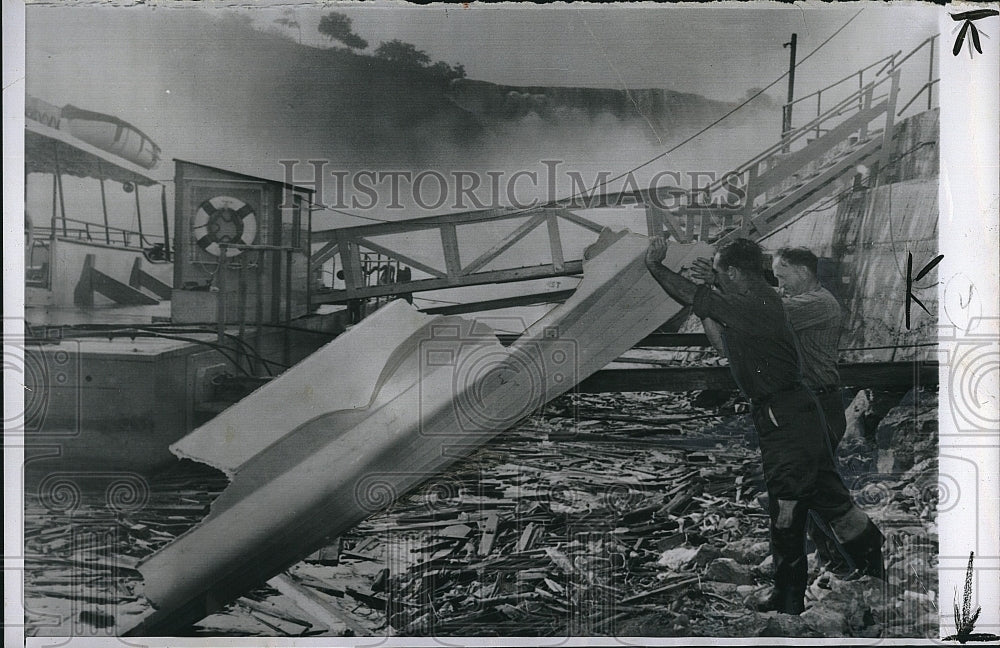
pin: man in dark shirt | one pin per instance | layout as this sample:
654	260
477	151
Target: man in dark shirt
745	319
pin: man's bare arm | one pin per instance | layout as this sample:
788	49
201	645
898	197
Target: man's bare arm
680	289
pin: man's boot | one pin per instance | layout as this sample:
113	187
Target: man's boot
827	548
790	568
788	594
865	551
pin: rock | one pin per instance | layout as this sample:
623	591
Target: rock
706	553
766	567
719	587
826	622
858	601
907	435
677	557
747	551
786	625
727	570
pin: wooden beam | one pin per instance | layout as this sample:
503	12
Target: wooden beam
351	260
449	245
551	297
477	279
864	374
666	340
303	474
325	253
141	279
555	242
673	225
393	254
93	281
576	219
817	149
519	233
774	215
417	224
889	123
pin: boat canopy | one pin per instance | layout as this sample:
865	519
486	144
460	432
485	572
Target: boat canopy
47	150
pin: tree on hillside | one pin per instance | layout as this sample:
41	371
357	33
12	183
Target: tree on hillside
288	20
337	26
396	51
447	71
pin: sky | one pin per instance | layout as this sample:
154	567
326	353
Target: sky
720	51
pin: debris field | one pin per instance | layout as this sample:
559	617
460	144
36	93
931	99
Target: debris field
629	515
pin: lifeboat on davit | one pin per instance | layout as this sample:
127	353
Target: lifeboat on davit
111	134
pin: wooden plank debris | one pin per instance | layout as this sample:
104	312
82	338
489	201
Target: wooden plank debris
387	436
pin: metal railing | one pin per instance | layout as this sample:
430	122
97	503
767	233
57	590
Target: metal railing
351	245
888	63
81	230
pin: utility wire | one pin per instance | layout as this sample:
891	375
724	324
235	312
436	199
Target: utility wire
656	157
713	124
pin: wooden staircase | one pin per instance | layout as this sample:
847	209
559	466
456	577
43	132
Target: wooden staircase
778	185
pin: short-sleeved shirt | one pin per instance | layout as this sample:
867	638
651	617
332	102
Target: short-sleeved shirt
759	341
816	317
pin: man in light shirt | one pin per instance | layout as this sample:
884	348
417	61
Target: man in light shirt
816	317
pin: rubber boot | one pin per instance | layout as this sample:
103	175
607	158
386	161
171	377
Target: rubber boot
827	549
865	551
790	568
788	594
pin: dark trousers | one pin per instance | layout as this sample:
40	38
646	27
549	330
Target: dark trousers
832	404
800	475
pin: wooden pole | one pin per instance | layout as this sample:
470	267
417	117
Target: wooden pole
138	213
288	307
55	201
259	333
220	285
930	76
241	300
104	202
786	126
166	222
62	200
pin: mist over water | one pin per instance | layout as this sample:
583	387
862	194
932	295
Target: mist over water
212	88
209	87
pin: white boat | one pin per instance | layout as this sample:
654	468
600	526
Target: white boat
311	455
111	134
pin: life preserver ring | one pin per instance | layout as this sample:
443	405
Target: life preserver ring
224	219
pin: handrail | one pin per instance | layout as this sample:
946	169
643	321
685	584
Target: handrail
798	132
926	86
85	233
929	39
846	78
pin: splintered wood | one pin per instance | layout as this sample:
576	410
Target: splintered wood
531	536
604	516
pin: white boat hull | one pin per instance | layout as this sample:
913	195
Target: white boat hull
311	457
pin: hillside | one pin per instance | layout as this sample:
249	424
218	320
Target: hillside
211	88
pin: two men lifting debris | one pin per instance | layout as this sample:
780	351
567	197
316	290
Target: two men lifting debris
783	358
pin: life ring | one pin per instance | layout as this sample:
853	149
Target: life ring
224	219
